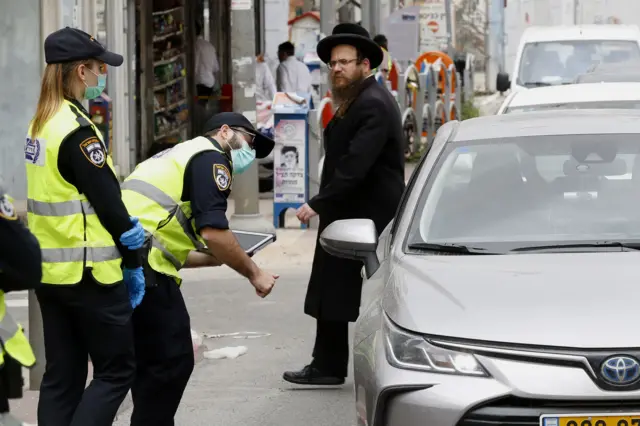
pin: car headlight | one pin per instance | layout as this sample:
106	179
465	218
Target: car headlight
412	352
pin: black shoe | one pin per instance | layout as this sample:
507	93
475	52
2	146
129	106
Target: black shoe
312	376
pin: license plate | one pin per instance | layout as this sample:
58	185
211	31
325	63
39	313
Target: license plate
608	419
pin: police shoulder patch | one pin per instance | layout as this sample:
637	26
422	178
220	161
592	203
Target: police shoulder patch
222	176
7	210
93	149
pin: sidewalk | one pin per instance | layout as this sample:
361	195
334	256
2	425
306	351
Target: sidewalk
490	104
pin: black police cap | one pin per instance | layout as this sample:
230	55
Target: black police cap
71	44
262	144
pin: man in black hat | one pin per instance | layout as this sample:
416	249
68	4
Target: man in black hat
363	177
180	197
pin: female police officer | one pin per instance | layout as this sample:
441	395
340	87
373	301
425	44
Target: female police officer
75	212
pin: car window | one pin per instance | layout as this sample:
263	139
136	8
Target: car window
543	189
442	135
561	62
575	105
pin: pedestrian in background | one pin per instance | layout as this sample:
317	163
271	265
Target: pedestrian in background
363	177
386	64
76	212
207	66
292	75
265	84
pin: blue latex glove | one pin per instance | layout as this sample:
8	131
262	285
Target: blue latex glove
133	239
134	280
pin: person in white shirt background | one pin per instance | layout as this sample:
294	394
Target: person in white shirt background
265	84
207	66
292	74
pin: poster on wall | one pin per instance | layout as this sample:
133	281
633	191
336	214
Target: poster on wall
289	165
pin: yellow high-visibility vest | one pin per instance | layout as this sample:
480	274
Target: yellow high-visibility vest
389	61
14	341
70	234
153	194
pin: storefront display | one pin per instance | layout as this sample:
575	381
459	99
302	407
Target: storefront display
169	72
165	91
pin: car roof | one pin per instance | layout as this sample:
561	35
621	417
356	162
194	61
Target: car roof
581	32
586	92
547	123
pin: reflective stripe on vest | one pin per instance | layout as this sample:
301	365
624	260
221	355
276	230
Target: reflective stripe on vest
70	234
14	341
153	194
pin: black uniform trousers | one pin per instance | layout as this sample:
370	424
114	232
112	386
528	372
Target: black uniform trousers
331	349
164	354
4	399
82	321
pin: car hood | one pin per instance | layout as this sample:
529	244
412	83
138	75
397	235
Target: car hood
579	300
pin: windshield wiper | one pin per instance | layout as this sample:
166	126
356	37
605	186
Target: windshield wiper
597	244
450	248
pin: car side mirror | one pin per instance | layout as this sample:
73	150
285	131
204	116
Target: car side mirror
502	82
355	239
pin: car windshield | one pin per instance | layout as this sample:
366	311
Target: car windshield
576	105
549	63
510	193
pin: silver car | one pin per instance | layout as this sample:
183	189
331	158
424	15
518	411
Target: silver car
507	289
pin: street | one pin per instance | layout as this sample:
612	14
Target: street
247	390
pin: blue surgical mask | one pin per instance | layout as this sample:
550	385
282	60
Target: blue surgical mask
95	91
242	158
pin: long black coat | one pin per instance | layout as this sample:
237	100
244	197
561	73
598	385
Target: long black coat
363	177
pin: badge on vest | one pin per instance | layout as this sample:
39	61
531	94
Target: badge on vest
92	149
222	177
34	151
7	211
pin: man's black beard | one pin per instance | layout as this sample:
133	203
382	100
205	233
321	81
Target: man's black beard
346	93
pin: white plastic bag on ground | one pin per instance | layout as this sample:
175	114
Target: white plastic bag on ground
230	352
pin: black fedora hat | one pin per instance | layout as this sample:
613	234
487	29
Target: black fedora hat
353	35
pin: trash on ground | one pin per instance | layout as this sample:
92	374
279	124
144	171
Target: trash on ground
230	352
237	335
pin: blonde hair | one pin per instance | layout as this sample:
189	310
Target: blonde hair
57	83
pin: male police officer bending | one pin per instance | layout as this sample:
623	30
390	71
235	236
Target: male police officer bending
180	197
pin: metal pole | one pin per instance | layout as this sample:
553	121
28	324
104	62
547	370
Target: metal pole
245	186
374	13
131	81
118	86
488	83
449	11
503	52
365	14
327	22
